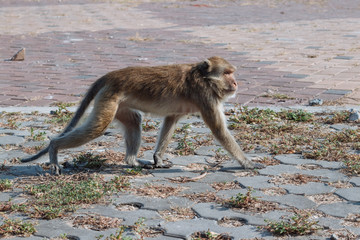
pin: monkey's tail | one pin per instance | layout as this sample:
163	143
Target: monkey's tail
90	95
39	154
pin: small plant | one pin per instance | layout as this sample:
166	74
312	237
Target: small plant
61	115
134	171
352	163
277	96
185	146
337	117
299	224
13	123
254	115
243	200
119	183
138	38
208	235
56	198
297	116
5	184
16	228
117	235
89	160
40	136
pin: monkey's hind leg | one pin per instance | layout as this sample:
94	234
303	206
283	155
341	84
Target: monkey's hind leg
131	120
102	115
166	133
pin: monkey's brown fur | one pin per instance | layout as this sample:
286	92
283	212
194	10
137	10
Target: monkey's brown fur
172	91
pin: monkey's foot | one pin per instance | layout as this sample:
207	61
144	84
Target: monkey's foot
259	165
254	165
55	169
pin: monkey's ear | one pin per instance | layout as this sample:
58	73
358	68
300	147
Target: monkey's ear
205	66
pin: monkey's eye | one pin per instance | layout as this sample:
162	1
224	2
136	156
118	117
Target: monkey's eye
228	72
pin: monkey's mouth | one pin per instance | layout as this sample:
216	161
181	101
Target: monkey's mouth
230	91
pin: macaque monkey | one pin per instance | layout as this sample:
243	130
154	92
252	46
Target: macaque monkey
171	91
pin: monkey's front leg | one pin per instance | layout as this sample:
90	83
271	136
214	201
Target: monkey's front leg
215	119
166	133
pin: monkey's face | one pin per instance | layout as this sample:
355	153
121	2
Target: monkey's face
229	79
220	73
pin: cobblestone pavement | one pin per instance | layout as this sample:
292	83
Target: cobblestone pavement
183	199
301	49
287	52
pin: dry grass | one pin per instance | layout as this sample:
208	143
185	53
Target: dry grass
96	222
157	191
177	214
225	186
295	179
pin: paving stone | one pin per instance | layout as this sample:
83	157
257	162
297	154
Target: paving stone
28	238
4	196
185	228
344	57
310	188
355	230
217	212
232	166
57	227
186	160
297	201
337	92
350	194
152	218
214	211
227	194
325	174
355	181
157	204
297	159
341	209
29	170
216	177
172	172
299	76
278	169
18	133
9	155
331	223
11	140
206	151
256	182
342	127
196	187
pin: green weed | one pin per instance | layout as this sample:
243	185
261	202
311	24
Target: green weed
208	235
61	115
5	184
16	228
40	136
89	160
242	200
56	198
299	224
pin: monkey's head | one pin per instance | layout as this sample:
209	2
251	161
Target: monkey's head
219	73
